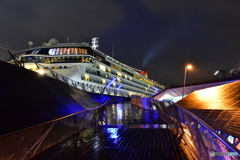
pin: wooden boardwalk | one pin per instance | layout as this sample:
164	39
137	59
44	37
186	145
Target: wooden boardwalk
124	133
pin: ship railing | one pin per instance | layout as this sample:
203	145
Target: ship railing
136	71
198	139
79	85
27	143
124	65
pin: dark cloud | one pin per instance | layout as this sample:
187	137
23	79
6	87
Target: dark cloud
158	35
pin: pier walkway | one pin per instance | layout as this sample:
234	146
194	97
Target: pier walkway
141	129
122	132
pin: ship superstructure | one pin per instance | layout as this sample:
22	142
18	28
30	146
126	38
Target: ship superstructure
87	68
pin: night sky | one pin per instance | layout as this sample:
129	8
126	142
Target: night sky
161	36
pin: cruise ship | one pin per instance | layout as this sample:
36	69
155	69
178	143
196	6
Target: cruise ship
83	66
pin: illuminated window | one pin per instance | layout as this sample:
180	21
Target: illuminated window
118	68
83	59
54	59
125	76
52	51
68	51
87	78
82	51
118	79
61	51
78	51
108	70
103	81
103	68
64	50
75	50
114	84
111	65
119	74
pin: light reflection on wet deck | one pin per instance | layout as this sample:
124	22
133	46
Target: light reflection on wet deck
125	114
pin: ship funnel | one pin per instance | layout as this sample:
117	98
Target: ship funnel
144	73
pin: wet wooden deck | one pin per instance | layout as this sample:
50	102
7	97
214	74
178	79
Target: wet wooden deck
126	133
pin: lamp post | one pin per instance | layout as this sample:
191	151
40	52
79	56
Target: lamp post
189	66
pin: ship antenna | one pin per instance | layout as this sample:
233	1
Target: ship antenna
67	39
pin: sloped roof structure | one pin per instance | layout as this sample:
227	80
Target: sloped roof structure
176	94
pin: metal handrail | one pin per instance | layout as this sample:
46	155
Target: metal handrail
58	119
36	139
209	128
228	145
198	139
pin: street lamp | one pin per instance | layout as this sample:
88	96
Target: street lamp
189	66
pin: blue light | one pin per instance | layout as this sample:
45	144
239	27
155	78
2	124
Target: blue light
119	87
113	134
114	79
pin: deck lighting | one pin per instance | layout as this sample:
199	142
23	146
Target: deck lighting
41	71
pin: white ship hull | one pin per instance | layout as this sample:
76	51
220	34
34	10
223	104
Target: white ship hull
87	69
